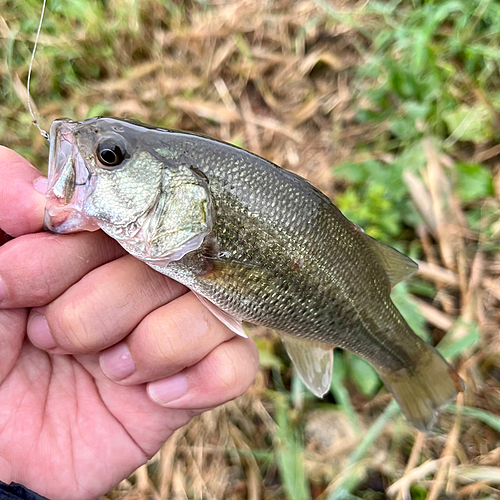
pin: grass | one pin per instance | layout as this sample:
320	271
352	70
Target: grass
389	107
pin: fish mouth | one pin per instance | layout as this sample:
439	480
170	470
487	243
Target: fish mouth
69	181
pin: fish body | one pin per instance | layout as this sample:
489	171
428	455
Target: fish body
257	242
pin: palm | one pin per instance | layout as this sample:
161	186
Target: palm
59	410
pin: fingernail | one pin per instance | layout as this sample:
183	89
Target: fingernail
3	291
39	333
169	389
116	362
41	184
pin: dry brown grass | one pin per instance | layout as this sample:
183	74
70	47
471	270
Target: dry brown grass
278	78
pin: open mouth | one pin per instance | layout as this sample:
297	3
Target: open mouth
69	179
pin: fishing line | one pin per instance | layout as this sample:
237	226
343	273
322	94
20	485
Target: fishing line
33	114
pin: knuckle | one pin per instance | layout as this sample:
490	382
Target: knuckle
42	288
164	339
157	286
253	359
27	279
228	376
69	325
38	292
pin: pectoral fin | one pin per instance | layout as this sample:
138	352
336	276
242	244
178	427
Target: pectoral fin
231	322
313	361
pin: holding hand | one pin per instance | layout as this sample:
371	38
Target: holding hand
110	360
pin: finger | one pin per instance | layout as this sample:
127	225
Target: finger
21	206
225	374
168	340
37	268
102	308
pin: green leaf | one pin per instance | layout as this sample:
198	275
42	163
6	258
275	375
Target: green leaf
339	364
364	376
418	492
404	129
409	310
372	206
416	110
353	172
267	357
100	109
466	123
475	182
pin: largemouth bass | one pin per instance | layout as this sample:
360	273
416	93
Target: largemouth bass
255	242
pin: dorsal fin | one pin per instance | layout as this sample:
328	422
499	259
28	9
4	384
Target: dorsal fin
397	265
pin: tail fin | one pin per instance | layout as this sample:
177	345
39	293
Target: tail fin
422	391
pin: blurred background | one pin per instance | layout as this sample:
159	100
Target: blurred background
392	108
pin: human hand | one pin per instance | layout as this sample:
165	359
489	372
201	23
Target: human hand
131	355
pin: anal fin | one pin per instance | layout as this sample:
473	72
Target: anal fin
313	362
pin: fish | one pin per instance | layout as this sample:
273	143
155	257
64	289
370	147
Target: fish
255	242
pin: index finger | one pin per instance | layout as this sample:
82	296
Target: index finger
21	205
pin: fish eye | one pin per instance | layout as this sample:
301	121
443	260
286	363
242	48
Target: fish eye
110	154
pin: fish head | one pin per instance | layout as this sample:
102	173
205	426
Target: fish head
114	175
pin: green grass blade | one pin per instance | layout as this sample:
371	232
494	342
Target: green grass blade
290	455
484	416
341	395
450	349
